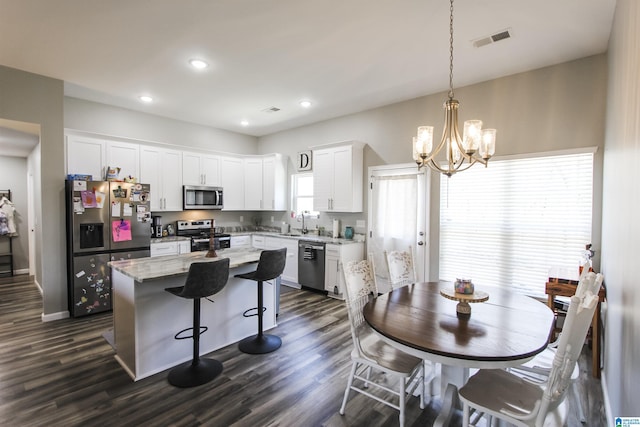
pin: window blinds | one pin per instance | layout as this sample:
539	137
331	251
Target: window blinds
510	223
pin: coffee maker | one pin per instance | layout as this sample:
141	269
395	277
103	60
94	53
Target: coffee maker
156	226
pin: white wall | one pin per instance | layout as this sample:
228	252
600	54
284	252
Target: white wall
13	176
553	108
621	204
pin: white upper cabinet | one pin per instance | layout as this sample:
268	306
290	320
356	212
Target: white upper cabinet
200	169
85	156
337	177
232	180
253	184
265	185
126	156
162	169
274	182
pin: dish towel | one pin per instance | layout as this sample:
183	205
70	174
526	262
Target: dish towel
309	253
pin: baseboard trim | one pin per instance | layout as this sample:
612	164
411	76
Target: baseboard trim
605	398
38	286
55	316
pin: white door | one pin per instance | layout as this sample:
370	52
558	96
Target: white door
398	203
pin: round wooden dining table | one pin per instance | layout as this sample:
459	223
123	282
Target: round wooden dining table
505	331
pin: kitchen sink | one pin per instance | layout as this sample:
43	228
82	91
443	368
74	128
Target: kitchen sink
291	234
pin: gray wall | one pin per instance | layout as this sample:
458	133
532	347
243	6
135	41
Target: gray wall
621	204
118	122
13	176
553	108
36	99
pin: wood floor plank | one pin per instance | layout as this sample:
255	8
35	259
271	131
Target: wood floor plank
63	373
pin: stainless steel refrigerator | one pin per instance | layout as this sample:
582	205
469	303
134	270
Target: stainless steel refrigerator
106	221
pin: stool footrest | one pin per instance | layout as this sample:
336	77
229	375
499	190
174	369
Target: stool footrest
203	329
257	309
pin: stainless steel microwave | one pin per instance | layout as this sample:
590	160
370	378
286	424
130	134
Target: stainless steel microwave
202	197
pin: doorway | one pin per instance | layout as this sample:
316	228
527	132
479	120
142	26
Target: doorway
398	206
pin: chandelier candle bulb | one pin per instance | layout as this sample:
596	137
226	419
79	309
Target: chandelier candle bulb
471	136
488	143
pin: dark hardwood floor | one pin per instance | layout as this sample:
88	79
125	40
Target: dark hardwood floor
63	373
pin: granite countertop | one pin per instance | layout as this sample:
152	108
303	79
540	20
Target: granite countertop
169	239
293	236
142	269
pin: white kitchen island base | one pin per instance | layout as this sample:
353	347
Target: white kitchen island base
146	317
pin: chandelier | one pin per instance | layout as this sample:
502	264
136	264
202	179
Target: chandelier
477	145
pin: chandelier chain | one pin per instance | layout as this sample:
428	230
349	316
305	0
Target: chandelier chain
451	50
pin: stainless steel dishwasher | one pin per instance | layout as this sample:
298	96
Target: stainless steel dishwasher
311	264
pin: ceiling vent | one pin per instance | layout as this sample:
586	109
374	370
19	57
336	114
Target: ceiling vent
271	110
494	38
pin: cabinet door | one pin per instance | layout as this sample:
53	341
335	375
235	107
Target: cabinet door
191	169
290	273
126	156
274	183
184	247
171	174
331	276
150	173
86	156
253	184
342	199
322	179
210	170
232	178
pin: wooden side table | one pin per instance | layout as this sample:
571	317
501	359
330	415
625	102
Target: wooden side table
554	289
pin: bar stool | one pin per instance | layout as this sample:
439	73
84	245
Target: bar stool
270	266
204	279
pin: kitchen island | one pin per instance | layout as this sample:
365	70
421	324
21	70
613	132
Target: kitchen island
146	317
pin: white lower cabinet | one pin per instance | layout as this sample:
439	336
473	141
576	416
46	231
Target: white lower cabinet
290	273
335	257
241	242
258	241
171	248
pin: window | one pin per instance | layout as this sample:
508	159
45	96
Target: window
302	193
510	223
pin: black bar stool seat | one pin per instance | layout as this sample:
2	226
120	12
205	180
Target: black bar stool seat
204	279
270	266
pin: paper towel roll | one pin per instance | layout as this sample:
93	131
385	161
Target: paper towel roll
336	228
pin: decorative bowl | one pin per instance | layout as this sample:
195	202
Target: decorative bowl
464	286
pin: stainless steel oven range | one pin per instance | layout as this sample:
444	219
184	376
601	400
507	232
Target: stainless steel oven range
199	232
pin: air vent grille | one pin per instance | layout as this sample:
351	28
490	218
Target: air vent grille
500	36
493	38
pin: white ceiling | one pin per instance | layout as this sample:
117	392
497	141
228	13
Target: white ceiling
343	55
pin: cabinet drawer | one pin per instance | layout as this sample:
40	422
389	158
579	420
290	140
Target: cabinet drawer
240	241
159	249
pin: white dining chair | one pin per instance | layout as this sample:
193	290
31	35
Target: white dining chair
517	400
401	267
539	368
371	356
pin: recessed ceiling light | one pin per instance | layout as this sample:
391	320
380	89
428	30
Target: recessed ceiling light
305	103
244	123
145	98
198	64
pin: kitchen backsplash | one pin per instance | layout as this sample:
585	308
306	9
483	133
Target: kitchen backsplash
262	221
